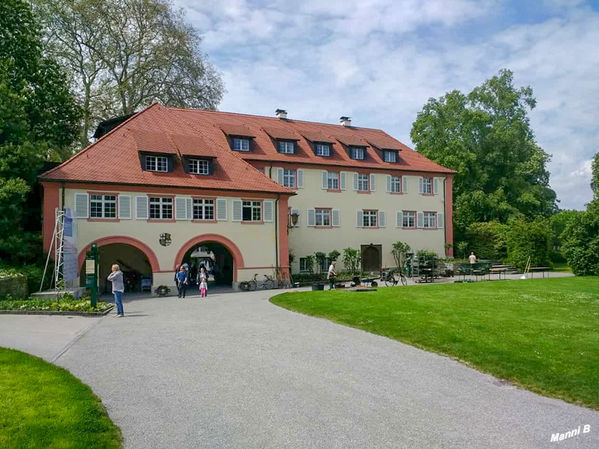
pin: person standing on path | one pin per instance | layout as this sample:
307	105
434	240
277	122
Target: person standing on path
181	278
118	288
331	275
472	258
203	281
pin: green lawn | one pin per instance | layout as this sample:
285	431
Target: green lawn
542	334
43	406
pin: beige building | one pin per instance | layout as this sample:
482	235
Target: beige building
247	190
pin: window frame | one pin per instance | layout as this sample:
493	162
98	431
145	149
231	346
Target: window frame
336	177
302	261
323	212
426	220
203	205
290	174
361	181
427	180
388	153
253	206
156	158
320	145
240	139
288	144
163	203
201	162
405	215
370	214
395	180
354	149
103	203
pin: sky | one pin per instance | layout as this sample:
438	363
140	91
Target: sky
379	61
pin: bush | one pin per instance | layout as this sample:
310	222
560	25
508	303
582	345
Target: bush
33	273
526	239
13	285
351	260
558	223
581	242
487	240
64	304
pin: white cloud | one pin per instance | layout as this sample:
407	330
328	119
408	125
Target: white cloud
380	60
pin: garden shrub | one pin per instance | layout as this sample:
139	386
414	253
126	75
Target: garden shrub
526	239
487	240
13	285
351	260
581	241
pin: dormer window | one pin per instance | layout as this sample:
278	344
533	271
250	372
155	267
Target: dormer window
156	163
357	153
240	144
199	166
322	149
286	146
390	156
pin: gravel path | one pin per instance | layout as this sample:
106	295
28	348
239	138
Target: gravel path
235	371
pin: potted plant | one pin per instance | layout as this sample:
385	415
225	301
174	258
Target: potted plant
162	290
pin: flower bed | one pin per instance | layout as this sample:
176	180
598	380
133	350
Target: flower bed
65	306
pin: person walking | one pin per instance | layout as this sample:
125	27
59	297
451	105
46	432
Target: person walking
118	288
331	275
472	258
181	278
203	281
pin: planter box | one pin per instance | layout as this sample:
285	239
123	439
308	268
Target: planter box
319	286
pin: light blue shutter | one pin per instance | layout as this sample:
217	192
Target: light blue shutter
268	210
300	179
325	180
355	181
81	201
382	219
336	217
221	209
237	210
359	219
440	221
372	184
280	176
420	220
180	208
124	207
342	180
404	184
141	207
388	183
436	186
399	219
311	217
189	204
420	185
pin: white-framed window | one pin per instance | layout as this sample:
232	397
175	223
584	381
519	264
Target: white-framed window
161	208
369	218
240	144
363	182
427	186
323	149
430	220
199	166
203	209
303	263
289	179
333	180
357	153
324	265
251	211
322	217
157	163
390	156
395	184
409	219
286	147
102	206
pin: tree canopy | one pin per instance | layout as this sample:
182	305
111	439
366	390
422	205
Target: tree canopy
595	176
486	137
38	122
126	54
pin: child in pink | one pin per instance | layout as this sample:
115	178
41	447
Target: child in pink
203	288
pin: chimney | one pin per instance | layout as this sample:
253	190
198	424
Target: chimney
345	121
281	113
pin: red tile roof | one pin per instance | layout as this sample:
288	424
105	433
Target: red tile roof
114	158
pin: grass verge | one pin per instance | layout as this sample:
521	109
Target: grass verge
540	334
44	406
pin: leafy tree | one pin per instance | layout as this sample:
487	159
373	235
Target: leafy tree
320	259
558	224
526	239
400	252
595	176
581	241
127	54
486	136
351	260
310	264
487	240
334	255
38	122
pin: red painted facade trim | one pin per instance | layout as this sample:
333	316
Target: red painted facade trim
449	215
51	202
228	244
283	237
126	241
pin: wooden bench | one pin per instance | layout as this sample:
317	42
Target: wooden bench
542	270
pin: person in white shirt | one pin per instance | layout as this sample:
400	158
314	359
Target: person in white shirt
331	275
472	258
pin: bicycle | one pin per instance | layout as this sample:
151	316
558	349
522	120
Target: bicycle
388	277
266	284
